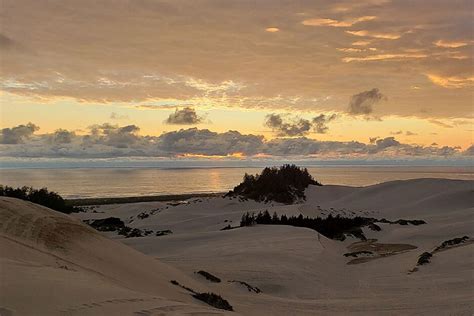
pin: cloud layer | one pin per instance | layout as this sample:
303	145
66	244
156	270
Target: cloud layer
298	56
107	141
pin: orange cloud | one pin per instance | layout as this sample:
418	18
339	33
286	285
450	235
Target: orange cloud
450	44
383	57
272	29
336	23
451	82
361	43
361	33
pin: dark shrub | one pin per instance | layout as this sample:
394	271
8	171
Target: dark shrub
209	276
214	300
452	242
375	227
209	298
248	286
163	232
358	253
285	185
424	258
108	224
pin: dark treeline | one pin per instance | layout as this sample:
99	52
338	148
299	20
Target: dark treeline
334	227
39	196
285	184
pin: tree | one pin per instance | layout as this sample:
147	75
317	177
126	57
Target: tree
285	184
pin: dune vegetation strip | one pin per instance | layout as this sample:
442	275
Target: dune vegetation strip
364	251
211	299
115	224
333	227
249	287
208	276
426	256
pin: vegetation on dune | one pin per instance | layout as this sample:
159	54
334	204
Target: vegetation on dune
451	242
39	196
358	253
249	287
285	184
211	299
334	227
106	224
424	258
214	300
208	276
114	224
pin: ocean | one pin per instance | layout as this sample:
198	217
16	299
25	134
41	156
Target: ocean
143	181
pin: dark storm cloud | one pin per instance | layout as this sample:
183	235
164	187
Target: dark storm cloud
17	134
363	103
62	136
469	151
186	116
298	126
205	142
320	121
113	135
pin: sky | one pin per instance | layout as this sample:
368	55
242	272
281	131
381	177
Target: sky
375	79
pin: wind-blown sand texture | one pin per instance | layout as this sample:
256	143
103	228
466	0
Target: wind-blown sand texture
52	264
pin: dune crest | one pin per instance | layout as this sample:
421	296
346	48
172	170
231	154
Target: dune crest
61	266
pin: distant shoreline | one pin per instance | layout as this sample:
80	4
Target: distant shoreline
137	199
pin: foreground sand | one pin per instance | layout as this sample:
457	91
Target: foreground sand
61	267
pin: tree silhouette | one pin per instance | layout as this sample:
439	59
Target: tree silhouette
42	196
285	184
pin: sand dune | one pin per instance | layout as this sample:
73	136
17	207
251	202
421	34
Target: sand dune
297	270
52	264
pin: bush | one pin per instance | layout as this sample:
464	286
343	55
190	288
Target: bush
214	300
106	224
42	196
209	298
424	258
452	242
209	276
285	185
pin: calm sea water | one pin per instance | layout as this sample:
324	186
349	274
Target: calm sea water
116	182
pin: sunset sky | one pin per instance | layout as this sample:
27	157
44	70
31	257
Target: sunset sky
171	78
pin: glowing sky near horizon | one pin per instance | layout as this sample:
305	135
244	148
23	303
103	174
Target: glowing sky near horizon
329	71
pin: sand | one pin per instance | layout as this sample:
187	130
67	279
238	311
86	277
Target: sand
77	271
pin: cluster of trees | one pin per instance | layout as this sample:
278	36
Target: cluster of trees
285	184
334	227
39	196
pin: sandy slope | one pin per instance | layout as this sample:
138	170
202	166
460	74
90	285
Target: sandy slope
298	271
52	264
